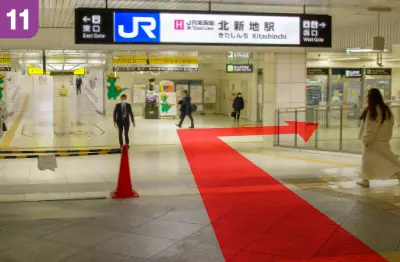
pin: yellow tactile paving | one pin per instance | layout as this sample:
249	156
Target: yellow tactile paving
9	135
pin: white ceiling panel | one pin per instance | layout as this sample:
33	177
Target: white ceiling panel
60	13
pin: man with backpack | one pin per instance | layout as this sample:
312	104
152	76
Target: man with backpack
186	109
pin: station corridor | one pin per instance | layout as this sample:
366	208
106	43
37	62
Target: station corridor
204	200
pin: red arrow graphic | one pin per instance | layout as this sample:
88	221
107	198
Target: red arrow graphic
255	217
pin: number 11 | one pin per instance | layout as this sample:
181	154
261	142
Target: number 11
24	15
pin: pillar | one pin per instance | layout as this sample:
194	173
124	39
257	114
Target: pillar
284	87
64	106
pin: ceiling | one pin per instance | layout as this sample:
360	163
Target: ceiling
60	13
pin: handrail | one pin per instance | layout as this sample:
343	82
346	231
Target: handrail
337	130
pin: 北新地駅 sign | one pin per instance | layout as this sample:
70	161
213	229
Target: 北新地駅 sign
108	26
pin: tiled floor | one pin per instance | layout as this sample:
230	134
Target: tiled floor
169	222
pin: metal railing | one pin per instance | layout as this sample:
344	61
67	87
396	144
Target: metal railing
338	128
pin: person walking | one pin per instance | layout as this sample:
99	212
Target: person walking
238	105
122	116
78	85
377	122
3	117
186	109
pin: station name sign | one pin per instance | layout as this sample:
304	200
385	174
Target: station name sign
109	26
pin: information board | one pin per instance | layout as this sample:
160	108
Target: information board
108	26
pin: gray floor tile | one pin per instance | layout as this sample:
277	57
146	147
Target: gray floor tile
136	245
122	222
34	228
337	211
205	235
168	229
100	256
81	235
39	251
378	229
197	216
190	252
9	240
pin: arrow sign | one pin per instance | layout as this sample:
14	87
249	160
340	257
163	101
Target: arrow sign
323	25
86	19
255	217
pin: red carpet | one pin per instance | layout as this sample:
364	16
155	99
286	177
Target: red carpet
255	218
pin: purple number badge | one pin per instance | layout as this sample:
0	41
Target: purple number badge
19	18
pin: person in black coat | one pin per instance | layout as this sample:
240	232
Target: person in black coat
78	85
186	109
238	105
122	116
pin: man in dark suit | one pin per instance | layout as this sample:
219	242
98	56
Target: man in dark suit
122	116
186	109
78	85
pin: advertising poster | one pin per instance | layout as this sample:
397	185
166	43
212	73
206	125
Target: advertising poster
168	104
196	92
139	94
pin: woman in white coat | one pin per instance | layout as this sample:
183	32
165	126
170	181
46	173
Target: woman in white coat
377	121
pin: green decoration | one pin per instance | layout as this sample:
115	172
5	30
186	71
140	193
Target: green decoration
165	106
1	87
114	90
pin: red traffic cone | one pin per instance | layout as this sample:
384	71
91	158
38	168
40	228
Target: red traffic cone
124	188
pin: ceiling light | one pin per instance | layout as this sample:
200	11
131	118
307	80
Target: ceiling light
346	58
363	50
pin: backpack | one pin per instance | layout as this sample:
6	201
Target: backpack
194	108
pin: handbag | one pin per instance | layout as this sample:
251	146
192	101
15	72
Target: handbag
233	114
4	127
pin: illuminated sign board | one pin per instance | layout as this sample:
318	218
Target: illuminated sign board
243	68
317	71
348	72
378	71
108	26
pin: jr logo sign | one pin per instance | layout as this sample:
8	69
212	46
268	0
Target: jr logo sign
136	27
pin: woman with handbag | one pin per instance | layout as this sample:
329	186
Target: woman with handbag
238	105
377	122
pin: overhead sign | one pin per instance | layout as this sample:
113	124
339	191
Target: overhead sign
32	71
317	71
240	55
79	71
5	68
378	71
348	72
244	68
107	26
154	69
174	61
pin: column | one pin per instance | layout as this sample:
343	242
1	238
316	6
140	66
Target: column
284	87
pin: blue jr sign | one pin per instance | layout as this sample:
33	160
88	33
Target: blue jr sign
136	27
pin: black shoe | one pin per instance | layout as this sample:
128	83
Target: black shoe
178	125
191	127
